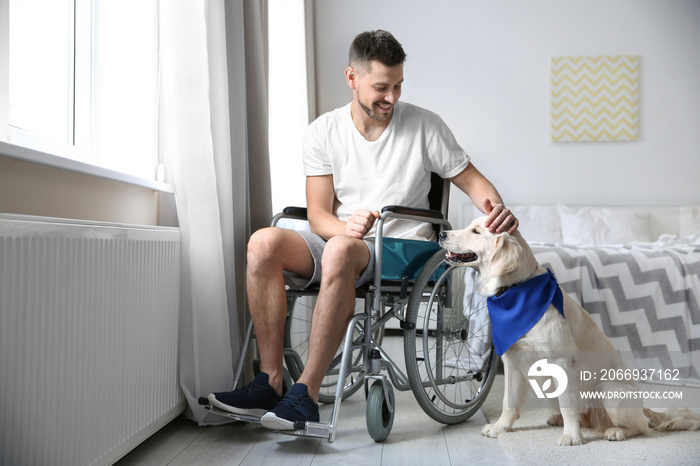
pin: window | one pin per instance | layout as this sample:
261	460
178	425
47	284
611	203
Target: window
83	81
41	74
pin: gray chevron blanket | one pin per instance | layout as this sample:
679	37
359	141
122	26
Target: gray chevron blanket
645	297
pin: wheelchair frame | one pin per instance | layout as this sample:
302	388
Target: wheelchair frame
378	295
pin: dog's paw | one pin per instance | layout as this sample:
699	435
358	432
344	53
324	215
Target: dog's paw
492	430
556	420
567	440
615	434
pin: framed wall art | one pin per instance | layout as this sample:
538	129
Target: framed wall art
594	98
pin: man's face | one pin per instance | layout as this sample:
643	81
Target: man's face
378	88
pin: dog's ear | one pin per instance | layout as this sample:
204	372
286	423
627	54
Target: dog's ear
506	255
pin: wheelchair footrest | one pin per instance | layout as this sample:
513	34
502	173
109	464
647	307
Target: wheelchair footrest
301	428
235	417
309	429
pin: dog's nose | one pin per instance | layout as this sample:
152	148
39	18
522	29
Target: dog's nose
442	235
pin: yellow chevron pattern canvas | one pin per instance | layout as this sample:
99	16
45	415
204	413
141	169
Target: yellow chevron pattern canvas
595	98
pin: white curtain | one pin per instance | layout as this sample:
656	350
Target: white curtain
214	140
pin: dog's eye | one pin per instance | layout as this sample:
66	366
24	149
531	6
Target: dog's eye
476	232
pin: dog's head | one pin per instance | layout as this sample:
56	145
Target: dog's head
501	259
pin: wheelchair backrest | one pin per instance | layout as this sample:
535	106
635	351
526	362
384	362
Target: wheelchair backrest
439	195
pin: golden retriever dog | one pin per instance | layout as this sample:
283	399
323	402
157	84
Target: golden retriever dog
572	342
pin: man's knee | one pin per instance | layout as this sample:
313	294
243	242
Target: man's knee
274	249
344	256
263	246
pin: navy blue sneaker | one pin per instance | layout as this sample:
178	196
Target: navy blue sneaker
296	407
254	399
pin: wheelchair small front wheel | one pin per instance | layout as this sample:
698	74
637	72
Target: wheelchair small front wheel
450	361
380	418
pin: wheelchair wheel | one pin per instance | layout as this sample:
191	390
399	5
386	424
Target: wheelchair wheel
450	361
296	344
380	419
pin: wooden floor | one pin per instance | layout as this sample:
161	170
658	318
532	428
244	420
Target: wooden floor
415	440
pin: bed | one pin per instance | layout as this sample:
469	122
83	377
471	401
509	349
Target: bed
636	271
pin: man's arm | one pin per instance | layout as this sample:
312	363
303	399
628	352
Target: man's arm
484	195
320	203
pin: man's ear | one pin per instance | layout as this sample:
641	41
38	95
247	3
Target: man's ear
506	254
351	77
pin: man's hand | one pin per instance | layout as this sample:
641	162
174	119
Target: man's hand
486	198
360	222
500	218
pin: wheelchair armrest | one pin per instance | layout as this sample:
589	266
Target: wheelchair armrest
295	212
427	213
300	213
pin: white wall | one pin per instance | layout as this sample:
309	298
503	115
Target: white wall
484	67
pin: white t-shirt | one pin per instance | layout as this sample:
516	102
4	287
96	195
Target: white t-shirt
393	170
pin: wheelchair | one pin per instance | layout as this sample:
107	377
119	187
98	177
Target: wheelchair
449	359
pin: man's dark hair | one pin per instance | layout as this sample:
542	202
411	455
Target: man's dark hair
376	45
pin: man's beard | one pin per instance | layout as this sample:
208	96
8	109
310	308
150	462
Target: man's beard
371	112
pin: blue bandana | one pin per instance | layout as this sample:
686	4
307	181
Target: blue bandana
517	310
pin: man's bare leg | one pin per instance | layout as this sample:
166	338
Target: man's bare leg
270	251
344	260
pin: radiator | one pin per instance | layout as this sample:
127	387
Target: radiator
88	339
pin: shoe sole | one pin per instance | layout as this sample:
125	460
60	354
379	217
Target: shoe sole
234	410
271	421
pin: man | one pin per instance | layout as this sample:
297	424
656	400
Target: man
358	158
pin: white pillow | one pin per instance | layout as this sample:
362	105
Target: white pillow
539	223
597	225
689	220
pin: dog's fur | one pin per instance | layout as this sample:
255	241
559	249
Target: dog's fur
503	260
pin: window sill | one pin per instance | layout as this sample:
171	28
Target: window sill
53	161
